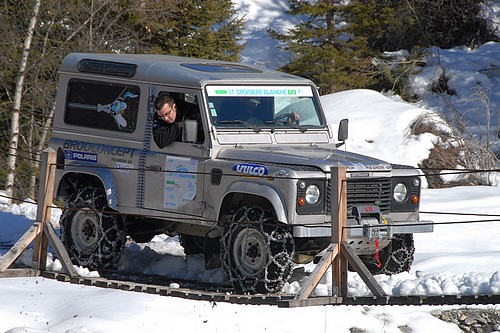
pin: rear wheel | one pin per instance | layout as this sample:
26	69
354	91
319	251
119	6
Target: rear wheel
93	235
256	252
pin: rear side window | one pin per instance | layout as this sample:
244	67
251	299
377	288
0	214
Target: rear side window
102	105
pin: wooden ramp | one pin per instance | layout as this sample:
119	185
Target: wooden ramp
41	232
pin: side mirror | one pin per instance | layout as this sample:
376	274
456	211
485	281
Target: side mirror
190	131
343	132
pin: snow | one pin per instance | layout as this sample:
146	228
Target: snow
260	48
457	258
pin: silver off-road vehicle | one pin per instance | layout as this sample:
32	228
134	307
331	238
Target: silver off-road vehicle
248	184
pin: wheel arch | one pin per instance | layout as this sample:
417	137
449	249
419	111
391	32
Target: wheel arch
253	193
74	178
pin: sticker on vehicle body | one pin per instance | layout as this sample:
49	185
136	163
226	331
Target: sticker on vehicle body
260	91
250	170
124	168
180	181
80	156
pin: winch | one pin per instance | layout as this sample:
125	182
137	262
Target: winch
375	226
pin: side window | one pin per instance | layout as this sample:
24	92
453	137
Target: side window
187	108
102	105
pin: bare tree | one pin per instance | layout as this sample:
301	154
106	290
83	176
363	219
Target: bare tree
60	27
21	73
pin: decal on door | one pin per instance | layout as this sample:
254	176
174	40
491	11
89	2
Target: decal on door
180	181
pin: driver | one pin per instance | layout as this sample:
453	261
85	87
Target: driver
252	110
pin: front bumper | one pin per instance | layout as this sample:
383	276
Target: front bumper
367	230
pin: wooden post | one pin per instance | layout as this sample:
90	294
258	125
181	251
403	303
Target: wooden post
339	222
43	214
332	253
338	253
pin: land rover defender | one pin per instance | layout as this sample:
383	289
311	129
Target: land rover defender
248	185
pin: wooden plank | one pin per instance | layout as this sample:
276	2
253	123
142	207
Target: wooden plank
338	223
363	272
20	246
60	250
20	272
44	201
313	279
314	301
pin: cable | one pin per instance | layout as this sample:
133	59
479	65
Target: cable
450	213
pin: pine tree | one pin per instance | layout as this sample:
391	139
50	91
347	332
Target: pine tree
339	42
324	48
197	28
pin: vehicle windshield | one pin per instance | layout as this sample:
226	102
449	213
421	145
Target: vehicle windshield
264	107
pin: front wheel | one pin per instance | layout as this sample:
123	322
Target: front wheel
395	258
256	252
93	236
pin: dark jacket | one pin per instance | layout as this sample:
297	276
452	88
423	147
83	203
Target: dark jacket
165	133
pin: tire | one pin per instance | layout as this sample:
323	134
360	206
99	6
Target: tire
395	258
93	236
256	252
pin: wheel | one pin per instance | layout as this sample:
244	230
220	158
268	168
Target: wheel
256	252
395	258
93	236
192	244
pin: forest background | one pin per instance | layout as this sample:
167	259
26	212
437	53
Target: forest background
338	44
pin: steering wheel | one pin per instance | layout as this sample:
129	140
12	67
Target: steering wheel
289	116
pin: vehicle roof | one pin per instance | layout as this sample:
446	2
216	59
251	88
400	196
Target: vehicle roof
183	71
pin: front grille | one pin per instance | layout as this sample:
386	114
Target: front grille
374	191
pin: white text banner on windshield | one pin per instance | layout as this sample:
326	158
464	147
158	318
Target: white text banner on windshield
260	91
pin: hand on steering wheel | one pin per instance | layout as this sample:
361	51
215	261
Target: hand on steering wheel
292	117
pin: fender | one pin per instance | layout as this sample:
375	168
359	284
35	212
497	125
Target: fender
103	173
261	190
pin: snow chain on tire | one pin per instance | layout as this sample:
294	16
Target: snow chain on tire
265	261
92	237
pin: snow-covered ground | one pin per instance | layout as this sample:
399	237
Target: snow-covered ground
460	258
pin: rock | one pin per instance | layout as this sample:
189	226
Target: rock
357	330
405	329
472	320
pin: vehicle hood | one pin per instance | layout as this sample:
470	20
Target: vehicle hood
321	157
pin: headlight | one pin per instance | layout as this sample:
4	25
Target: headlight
312	194
400	192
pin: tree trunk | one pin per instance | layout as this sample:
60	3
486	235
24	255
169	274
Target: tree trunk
14	132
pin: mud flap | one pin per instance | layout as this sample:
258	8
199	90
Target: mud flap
211	243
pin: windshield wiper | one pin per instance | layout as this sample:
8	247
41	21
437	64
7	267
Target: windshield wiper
302	129
241	122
